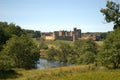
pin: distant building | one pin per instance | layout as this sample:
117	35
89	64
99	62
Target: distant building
96	36
62	35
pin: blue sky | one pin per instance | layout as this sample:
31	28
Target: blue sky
54	15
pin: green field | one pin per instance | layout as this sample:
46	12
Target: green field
81	72
57	43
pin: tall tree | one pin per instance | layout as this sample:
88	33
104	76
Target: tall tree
65	51
7	30
110	52
36	34
13	29
86	51
6	62
112	13
3	36
52	53
22	51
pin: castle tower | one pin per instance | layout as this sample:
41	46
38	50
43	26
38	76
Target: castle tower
76	34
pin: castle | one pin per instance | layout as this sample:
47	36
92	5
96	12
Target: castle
62	35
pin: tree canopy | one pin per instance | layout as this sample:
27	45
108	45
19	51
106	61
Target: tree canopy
110	52
17	49
112	13
22	51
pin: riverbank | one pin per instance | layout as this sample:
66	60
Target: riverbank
44	63
81	72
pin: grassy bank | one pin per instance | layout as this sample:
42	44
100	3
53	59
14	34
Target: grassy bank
83	72
57	43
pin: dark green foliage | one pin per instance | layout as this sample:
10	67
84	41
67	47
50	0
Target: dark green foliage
5	74
7	31
65	51
87	58
36	34
112	13
13	29
33	34
42	44
23	51
110	52
3	38
65	54
82	52
86	51
16	49
3	35
109	55
6	62
90	46
52	53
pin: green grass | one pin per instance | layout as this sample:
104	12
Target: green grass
99	43
82	72
57	43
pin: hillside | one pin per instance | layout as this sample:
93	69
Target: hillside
81	72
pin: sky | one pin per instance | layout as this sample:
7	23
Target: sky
55	15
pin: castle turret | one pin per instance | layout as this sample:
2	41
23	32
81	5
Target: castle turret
76	34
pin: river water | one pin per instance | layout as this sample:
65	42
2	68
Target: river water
43	63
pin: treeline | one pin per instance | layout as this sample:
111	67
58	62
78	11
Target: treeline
33	34
81	52
87	52
17	48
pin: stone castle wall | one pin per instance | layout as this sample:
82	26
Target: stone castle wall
63	35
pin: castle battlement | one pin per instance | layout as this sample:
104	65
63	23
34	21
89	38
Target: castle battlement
62	35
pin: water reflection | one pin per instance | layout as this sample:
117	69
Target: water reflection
43	63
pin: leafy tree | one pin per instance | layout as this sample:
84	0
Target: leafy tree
78	45
86	51
3	25
112	13
110	52
42	44
90	46
72	56
89	51
65	50
29	32
52	53
6	63
16	49
12	29
7	30
3	36
22	51
36	34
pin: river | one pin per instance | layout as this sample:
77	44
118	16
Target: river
43	63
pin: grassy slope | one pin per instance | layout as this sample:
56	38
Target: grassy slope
68	73
57	43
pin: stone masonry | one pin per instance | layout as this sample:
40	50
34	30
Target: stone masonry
62	35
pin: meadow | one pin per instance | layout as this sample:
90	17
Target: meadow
77	72
57	43
80	72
